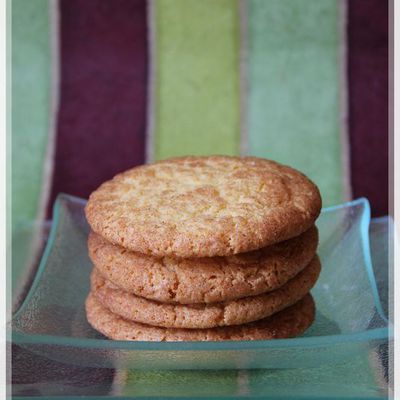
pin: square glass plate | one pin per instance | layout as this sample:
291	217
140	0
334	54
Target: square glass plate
349	321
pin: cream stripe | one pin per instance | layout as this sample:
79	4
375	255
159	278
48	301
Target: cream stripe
343	100
119	382
243	84
8	169
151	84
243	382
48	164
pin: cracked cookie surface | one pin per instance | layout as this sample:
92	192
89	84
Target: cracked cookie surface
203	206
290	322
236	312
203	280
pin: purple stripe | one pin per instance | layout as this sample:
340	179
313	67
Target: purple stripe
102	116
36	375
368	100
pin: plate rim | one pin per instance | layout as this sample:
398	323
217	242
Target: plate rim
382	333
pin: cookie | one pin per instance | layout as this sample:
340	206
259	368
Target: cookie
203	280
235	312
291	322
203	206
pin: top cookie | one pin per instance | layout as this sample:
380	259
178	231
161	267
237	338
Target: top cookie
203	206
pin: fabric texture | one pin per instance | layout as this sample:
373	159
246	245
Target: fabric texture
102	116
293	104
196	78
201	61
368	67
30	106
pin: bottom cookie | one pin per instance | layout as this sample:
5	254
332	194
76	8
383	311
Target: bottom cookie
291	322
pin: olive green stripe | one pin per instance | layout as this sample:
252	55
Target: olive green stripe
294	88
191	383
196	88
244	88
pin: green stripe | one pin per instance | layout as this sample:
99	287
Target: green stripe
354	377
196	78
30	85
30	104
293	104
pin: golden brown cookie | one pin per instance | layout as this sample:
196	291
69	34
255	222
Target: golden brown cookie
203	206
203	280
291	322
236	312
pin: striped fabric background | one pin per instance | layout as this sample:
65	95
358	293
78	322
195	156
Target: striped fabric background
99	86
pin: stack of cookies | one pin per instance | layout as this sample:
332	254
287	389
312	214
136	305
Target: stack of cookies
203	248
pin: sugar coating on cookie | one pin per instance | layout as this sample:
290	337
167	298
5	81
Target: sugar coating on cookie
211	315
203	280
290	322
203	206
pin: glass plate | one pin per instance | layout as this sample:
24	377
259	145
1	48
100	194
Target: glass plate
51	321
